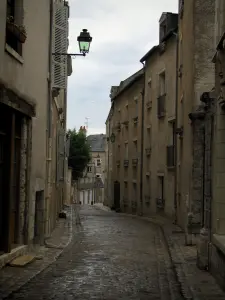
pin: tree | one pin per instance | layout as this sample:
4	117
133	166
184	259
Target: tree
79	153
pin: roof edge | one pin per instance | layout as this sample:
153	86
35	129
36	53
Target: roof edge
135	76
170	34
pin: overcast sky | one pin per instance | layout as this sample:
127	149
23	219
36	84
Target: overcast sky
123	31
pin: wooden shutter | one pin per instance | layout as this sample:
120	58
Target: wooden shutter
60	45
61	154
68	147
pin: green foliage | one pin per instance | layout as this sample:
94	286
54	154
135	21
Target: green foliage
79	154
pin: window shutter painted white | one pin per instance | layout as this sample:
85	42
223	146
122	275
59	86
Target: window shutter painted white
60	45
61	154
68	147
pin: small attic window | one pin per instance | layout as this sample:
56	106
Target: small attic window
163	30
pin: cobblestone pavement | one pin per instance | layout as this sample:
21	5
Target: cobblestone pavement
195	284
110	257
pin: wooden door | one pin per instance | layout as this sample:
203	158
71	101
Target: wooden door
5	129
10	129
2	187
14	226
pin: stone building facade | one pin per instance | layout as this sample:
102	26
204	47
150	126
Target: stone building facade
85	186
194	184
26	93
124	142
108	187
98	159
159	121
141	131
195	76
91	185
211	244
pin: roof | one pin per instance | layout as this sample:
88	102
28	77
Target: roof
164	14
97	142
149	53
125	84
157	47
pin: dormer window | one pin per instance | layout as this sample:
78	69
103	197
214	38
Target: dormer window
167	23
163	30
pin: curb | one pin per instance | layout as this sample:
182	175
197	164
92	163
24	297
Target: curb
47	265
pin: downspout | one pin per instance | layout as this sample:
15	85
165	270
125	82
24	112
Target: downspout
142	141
176	126
65	153
108	163
49	125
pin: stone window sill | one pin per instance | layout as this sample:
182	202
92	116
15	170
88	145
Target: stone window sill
219	241
14	54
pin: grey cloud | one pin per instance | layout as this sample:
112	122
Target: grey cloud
121	33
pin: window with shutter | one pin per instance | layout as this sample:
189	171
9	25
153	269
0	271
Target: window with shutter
60	45
68	147
61	154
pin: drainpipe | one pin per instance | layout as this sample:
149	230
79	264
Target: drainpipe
49	124
108	163
142	141
176	126
65	154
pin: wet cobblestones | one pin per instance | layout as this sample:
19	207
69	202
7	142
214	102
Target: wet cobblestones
110	257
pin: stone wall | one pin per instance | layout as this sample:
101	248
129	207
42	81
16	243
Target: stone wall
217	265
23	182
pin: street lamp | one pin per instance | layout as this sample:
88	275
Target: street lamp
84	40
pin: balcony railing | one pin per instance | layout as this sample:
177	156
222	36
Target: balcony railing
148	151
149	104
126	163
134	162
118	127
135	120
126	123
170	156
147	199
160	203
125	202
161	106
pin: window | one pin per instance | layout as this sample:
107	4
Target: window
162	94
98	162
119	114
60	45
163	30
149	135
127	112
162	83
135	191
89	169
136	105
160	200
15	37
118	150
11	8
149	90
126	150
135	147
171	145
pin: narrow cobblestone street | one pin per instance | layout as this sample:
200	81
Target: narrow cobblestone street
110	257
